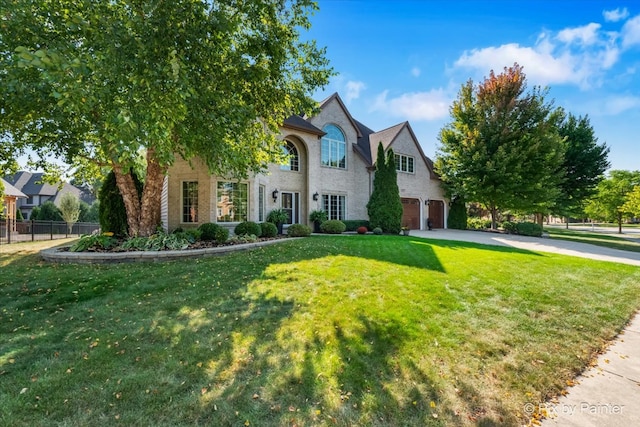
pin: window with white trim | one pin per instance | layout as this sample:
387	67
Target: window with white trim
334	205
232	201
261	204
404	163
293	161
333	151
189	201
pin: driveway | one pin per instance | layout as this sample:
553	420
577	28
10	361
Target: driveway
564	247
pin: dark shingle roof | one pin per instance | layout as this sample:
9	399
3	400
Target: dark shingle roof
297	122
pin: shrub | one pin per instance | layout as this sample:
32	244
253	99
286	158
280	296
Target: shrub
457	215
278	216
94	242
244	238
299	230
528	229
333	226
354	224
509	227
190	234
48	212
318	216
478	223
247	227
377	231
213	231
269	229
111	210
362	230
157	242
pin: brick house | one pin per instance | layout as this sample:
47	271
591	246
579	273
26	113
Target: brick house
330	168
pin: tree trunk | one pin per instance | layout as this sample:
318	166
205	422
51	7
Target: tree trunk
494	214
619	223
151	195
143	215
566	219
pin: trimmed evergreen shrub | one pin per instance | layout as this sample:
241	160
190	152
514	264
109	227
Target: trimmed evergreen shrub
528	229
377	231
362	230
269	229
111	211
354	224
248	227
213	231
299	230
457	215
19	216
333	226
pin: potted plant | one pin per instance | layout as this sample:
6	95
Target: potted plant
278	217
318	217
405	230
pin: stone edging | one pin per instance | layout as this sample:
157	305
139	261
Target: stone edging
66	257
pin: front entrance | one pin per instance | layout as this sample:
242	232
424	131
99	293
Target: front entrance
291	205
436	213
411	213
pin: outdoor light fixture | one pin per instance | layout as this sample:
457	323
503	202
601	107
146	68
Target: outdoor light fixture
315	196
275	195
426	202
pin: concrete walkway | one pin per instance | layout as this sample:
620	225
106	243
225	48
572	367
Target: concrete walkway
607	394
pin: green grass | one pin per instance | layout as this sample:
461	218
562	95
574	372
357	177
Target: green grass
598	239
323	331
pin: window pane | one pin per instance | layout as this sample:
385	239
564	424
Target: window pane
261	203
233	201
410	169
190	201
333	148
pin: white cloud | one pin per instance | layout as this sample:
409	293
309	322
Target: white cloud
586	35
631	32
577	56
415	72
615	15
432	105
620	104
353	90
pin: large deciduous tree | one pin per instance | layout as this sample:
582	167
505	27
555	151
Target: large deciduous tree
502	147
584	165
613	192
98	81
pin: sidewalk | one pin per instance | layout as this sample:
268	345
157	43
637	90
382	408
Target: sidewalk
608	394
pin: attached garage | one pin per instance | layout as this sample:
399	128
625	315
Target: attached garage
411	213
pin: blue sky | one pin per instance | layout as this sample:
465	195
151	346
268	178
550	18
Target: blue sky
406	60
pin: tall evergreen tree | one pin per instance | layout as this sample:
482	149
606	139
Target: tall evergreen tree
384	207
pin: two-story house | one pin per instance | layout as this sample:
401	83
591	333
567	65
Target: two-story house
330	167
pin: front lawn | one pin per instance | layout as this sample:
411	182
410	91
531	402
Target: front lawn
353	330
598	239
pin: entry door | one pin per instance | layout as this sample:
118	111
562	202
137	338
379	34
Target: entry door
291	205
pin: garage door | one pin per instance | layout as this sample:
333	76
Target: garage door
411	213
436	213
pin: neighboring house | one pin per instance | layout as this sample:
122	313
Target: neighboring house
11	195
331	167
38	192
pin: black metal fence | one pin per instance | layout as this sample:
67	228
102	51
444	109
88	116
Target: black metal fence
29	231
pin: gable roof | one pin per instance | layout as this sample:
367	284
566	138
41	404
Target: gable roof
31	184
337	98
10	190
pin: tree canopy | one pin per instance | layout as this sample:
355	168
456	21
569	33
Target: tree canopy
97	82
613	192
584	165
502	146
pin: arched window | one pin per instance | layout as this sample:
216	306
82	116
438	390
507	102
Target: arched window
290	150
334	148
